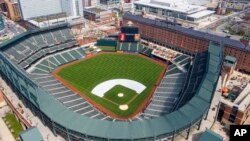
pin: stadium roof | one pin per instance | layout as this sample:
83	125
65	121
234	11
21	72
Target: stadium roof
166	125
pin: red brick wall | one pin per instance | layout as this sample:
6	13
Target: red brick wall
240	117
189	43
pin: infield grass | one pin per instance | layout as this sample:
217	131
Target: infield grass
87	74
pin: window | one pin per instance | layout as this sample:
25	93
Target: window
138	7
77	7
153	10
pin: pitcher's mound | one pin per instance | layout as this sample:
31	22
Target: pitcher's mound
123	107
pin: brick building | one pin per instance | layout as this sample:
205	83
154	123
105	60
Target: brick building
98	15
188	40
12	9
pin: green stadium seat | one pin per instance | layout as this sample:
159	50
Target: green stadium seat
174	71
67	57
40	41
48	64
81	51
52	60
180	58
49	38
125	46
59	37
134	47
67	34
76	54
44	68
60	59
140	48
39	71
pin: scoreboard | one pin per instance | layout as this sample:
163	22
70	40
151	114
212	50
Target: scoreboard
129	34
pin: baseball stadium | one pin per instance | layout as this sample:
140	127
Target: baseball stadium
130	89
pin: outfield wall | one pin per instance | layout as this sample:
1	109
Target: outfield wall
75	127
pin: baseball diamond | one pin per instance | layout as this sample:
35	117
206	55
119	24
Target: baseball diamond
130	74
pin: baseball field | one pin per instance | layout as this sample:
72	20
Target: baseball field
114	83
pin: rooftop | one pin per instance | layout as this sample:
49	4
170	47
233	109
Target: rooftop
238	91
231	59
50	17
174	5
31	134
209	135
195	33
201	14
95	9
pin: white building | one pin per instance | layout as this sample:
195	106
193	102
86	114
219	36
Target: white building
178	9
38	8
72	7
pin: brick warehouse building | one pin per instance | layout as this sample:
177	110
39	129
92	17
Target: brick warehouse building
188	40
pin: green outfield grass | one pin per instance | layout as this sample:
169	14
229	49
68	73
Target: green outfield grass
88	73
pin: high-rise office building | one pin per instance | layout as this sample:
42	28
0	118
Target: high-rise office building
72	7
37	8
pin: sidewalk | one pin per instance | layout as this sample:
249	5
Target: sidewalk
209	122
5	134
28	115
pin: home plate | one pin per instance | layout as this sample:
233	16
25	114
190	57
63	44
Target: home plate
120	95
123	107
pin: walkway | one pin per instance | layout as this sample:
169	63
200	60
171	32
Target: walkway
35	121
5	134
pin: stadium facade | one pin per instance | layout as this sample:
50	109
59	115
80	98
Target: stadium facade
75	127
179	38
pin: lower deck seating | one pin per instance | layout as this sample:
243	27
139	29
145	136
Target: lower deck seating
68	98
196	76
166	95
146	51
49	64
129	46
44	42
